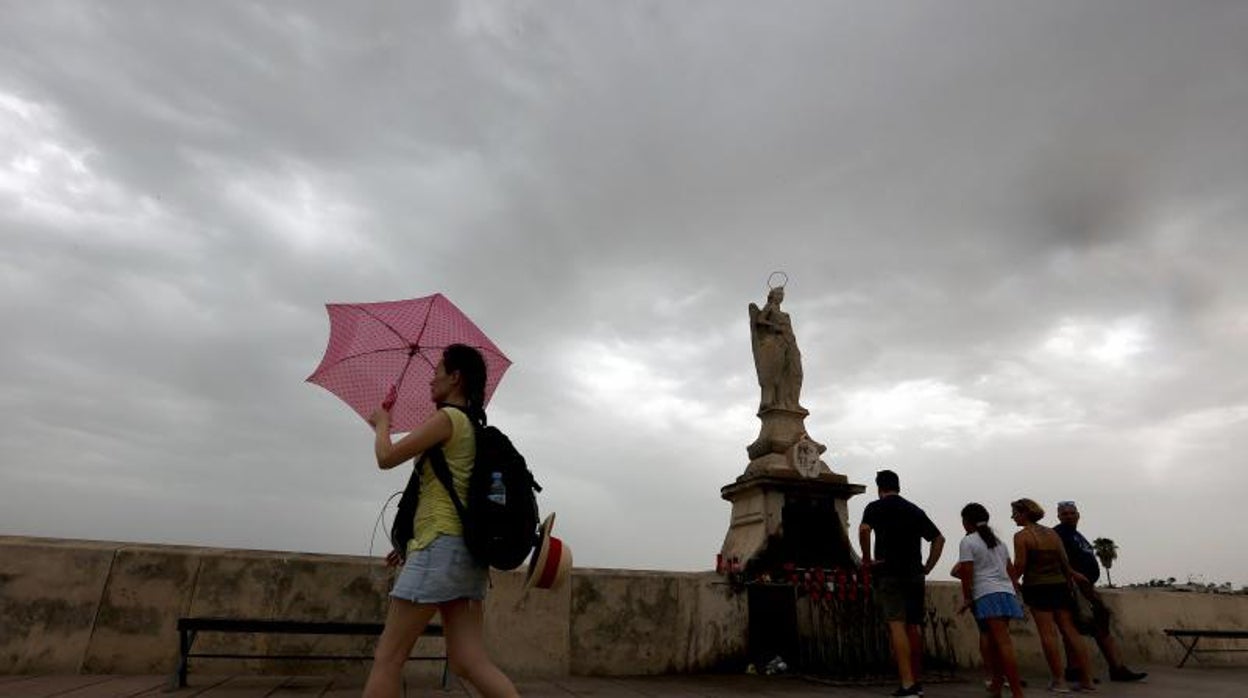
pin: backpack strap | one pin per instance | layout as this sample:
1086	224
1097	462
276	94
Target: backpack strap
442	470
443	473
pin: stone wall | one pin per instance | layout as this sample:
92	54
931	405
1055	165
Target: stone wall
96	607
71	606
1139	618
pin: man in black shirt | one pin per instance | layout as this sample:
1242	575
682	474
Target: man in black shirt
898	570
1083	558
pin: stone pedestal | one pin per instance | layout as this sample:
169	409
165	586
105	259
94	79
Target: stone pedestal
781	517
780	430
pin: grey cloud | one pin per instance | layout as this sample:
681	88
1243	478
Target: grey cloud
945	188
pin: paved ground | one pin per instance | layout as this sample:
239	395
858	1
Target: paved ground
1163	682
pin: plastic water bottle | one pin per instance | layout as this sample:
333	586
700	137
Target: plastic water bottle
498	493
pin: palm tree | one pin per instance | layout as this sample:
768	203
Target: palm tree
1106	551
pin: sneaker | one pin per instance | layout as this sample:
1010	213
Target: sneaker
1125	674
912	690
918	688
1058	687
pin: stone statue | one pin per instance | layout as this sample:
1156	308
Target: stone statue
776	356
788	507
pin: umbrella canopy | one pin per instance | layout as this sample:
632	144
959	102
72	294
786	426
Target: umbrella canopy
377	348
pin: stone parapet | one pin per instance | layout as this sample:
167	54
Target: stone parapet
70	606
98	607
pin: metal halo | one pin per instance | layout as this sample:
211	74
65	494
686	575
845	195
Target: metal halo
782	284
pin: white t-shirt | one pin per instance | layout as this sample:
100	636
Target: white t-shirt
989	565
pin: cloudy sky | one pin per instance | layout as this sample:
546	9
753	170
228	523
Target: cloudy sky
1014	232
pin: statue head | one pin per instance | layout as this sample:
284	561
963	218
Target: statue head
775	285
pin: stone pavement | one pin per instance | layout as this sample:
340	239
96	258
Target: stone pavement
1163	682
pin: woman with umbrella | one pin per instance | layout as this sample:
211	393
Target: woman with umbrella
439	574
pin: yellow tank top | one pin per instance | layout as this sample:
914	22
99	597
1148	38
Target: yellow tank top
435	514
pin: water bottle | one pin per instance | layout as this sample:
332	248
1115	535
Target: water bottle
498	493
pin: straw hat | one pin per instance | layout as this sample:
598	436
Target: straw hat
551	562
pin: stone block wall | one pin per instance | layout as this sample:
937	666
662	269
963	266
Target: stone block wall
98	607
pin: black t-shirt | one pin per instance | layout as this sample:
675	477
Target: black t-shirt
898	525
1080	552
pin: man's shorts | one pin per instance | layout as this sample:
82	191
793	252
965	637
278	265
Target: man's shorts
901	598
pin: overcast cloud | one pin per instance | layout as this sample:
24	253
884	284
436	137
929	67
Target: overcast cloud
1015	234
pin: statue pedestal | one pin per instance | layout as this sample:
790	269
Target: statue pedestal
782	517
781	429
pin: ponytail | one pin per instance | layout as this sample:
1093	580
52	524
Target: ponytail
976	515
985	531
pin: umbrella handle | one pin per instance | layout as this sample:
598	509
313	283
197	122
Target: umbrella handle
391	397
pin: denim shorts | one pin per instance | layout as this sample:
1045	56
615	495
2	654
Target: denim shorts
444	571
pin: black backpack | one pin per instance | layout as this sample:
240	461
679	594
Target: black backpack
500	518
403	528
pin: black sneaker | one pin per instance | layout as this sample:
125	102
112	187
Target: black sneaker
913	690
1125	674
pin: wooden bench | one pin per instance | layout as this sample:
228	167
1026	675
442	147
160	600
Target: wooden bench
189	629
1179	634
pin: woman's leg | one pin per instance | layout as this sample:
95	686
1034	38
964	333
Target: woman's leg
405	621
991	668
1050	643
1076	648
465	649
1003	651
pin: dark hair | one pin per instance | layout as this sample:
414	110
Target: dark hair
471	367
976	515
888	480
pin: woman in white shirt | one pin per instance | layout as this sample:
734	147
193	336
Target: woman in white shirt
989	590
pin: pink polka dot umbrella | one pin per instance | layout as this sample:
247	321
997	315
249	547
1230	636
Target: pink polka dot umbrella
383	352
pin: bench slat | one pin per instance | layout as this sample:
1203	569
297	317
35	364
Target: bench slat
294	627
300	657
1184	632
190	627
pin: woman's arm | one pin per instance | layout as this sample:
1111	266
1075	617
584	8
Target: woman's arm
966	573
432	432
1020	553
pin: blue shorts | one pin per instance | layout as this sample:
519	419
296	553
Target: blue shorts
443	571
997	605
